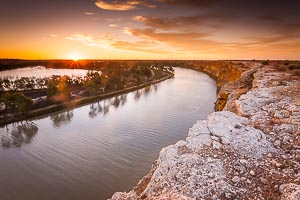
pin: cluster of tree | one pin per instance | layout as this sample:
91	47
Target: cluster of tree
6	64
93	82
59	88
16	102
21	84
113	77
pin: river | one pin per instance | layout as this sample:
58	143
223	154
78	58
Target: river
41	72
92	151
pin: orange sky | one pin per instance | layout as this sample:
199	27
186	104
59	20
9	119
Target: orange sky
150	29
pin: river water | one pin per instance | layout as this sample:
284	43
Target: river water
92	151
41	72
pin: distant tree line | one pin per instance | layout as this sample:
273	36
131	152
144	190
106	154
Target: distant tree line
6	64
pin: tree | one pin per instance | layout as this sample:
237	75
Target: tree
114	82
91	87
6	83
20	83
41	82
63	91
1	87
94	76
146	71
93	82
16	101
30	83
51	87
58	88
23	102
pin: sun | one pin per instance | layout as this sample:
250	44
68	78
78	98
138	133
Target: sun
75	56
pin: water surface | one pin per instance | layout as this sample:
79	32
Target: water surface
41	72
95	150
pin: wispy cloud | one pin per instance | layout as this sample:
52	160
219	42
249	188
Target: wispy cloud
105	40
145	46
187	41
192	3
208	21
151	6
113	19
54	35
111	42
89	13
118	5
125	5
80	38
113	25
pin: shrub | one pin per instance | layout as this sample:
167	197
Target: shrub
16	101
266	62
281	68
292	67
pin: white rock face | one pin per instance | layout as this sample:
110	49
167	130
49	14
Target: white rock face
233	131
246	155
272	107
191	168
290	192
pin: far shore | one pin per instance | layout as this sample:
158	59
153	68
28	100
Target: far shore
79	102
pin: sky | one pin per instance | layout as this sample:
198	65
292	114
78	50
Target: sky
150	29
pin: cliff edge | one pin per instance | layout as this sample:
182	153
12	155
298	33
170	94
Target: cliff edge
249	150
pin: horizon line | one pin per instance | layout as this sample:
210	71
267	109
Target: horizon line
108	59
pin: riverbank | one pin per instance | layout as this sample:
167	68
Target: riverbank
249	150
80	102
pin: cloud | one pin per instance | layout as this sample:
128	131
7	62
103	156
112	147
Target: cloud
145	46
198	43
280	33
104	41
188	41
54	35
192	3
80	38
212	31
113	25
288	30
89	13
118	5
270	18
162	36
121	5
151	6
258	50
109	41
204	27
113	19
182	22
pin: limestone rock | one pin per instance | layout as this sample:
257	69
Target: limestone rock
290	191
236	179
245	139
182	168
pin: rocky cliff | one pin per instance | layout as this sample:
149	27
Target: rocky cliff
249	150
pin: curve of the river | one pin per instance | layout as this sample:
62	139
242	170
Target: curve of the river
92	151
